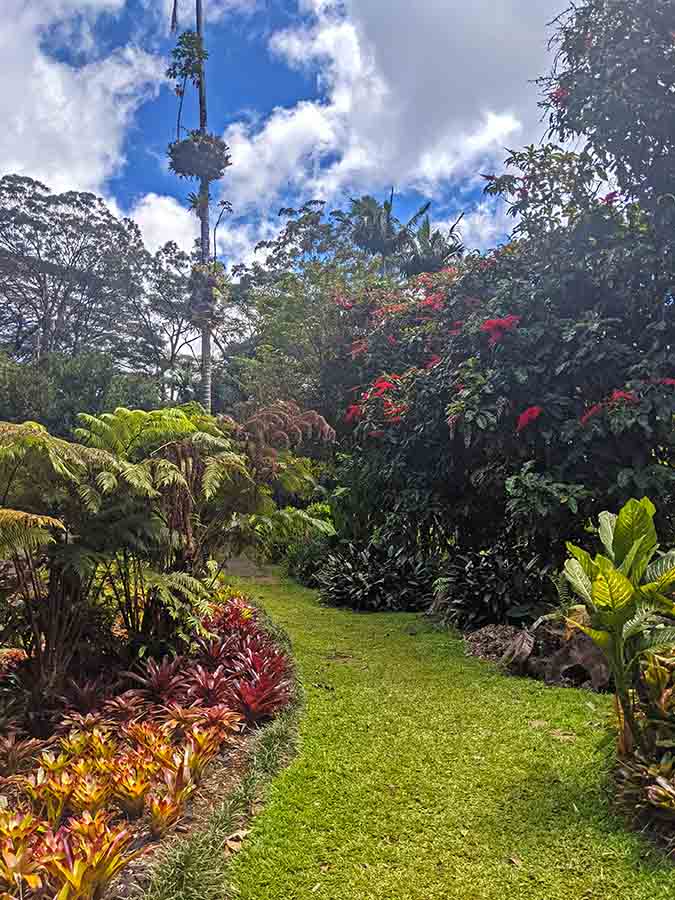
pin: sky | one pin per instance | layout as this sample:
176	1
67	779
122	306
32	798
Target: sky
317	99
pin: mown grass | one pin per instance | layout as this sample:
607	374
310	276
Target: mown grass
425	775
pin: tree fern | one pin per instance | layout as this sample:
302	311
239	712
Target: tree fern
24	533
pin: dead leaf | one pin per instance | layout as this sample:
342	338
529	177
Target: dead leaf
234	841
516	861
324	867
565	737
317	887
537	723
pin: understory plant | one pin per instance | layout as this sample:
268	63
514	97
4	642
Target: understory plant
372	577
627	593
507	582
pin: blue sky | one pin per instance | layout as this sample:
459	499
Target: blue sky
317	99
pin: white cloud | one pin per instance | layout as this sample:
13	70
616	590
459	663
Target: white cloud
421	95
484	226
66	125
162	219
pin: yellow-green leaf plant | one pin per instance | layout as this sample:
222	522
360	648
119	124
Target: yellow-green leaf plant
627	593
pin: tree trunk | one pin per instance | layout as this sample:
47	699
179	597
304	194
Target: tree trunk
205	231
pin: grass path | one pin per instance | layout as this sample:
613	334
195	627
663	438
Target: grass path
425	775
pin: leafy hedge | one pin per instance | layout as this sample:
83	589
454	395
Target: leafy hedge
371	577
505	583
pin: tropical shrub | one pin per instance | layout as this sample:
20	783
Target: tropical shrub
627	592
304	560
504	583
628	610
373	578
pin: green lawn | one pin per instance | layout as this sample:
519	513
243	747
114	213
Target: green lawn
423	774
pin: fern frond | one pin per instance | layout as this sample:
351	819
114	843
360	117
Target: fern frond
23	532
220	469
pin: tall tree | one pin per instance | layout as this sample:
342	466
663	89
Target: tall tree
205	157
375	228
430	250
70	274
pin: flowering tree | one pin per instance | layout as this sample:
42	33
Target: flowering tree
524	389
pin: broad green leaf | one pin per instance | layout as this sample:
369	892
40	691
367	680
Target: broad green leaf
584	560
635	521
607	523
629	559
602	639
612	590
660	566
577	577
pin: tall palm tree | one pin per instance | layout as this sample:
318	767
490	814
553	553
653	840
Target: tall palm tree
430	251
376	229
203	201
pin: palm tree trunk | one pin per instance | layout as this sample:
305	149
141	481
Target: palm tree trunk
205	231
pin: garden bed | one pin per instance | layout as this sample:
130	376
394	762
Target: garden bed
139	761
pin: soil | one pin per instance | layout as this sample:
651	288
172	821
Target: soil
550	653
490	642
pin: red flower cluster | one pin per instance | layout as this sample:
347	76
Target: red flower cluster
359	348
390	309
610	199
628	396
382	385
354	412
560	96
618	396
343	302
591	411
391	340
432	361
457	328
669	381
531	414
434	301
497	328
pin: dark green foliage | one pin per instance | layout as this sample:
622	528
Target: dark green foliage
304	559
613	83
505	583
371	578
